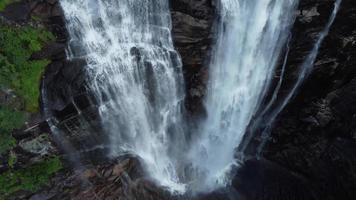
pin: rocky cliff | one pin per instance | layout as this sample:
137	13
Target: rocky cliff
314	136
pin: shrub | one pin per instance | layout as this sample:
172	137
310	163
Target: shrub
29	179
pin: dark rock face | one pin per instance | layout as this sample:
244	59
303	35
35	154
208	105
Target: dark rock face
63	81
262	179
315	135
192	35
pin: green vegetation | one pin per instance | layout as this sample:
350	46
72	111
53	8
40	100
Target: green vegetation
4	3
6	142
9	120
29	179
12	160
17	44
21	74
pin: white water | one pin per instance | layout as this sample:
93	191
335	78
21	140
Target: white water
251	34
135	74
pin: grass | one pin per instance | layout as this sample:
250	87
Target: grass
9	120
4	3
29	179
17	71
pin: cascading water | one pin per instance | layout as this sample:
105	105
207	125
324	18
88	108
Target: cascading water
251	36
135	75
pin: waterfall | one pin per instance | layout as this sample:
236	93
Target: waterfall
250	37
135	76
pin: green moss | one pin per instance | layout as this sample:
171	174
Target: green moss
9	120
29	179
17	44
4	3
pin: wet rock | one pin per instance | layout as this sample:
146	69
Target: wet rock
64	80
46	8
192	39
192	35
